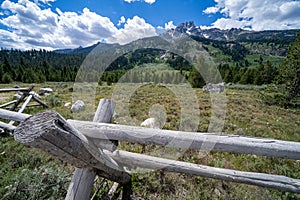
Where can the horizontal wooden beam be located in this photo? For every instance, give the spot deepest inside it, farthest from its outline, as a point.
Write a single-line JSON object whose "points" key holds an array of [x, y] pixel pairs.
{"points": [[135, 160], [11, 115], [7, 104], [194, 140], [14, 90], [7, 126]]}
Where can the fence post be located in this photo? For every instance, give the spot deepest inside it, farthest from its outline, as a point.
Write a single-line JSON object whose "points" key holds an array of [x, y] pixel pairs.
{"points": [[83, 179]]}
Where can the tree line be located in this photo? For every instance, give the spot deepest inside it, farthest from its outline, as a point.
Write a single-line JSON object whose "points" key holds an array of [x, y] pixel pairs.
{"points": [[39, 66]]}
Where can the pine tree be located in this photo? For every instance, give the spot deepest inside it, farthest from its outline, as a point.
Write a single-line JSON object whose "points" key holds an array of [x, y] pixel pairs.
{"points": [[195, 78], [287, 91], [290, 73]]}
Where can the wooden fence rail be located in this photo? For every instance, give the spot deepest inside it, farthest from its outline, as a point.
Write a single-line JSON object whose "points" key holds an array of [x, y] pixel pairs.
{"points": [[26, 95], [75, 142], [223, 142], [193, 140], [13, 90], [149, 162]]}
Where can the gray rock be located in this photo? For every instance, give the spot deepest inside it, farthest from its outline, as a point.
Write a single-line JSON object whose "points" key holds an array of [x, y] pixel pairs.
{"points": [[17, 96], [45, 90], [35, 94], [214, 88], [78, 106], [67, 104]]}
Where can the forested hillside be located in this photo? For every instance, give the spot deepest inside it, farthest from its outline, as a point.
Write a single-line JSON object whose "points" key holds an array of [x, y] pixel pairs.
{"points": [[38, 66], [253, 58]]}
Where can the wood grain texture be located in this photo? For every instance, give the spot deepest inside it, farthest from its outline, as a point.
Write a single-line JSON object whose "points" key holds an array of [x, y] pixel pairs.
{"points": [[49, 132], [11, 115], [135, 160], [193, 140]]}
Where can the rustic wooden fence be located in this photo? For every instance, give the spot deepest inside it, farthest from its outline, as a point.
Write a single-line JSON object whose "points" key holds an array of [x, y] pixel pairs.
{"points": [[26, 95], [91, 147]]}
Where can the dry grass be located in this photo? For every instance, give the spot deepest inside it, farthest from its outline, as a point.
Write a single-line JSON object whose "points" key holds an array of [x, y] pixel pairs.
{"points": [[246, 115]]}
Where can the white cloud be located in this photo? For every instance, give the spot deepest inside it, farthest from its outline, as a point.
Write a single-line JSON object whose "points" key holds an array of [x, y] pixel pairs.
{"points": [[147, 1], [259, 15], [134, 29], [121, 21], [30, 26], [150, 1], [169, 25], [211, 10], [44, 1]]}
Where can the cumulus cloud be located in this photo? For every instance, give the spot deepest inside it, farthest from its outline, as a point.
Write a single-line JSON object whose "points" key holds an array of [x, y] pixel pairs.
{"points": [[134, 29], [169, 25], [121, 21], [147, 1], [257, 15], [30, 26]]}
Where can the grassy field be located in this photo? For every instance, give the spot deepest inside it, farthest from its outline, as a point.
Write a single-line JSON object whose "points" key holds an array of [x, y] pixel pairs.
{"points": [[30, 174]]}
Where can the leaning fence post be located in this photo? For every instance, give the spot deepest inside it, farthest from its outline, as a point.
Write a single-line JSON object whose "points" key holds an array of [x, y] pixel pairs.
{"points": [[83, 179]]}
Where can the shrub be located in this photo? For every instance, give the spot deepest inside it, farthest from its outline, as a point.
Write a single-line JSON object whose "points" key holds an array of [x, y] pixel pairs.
{"points": [[43, 183], [54, 100]]}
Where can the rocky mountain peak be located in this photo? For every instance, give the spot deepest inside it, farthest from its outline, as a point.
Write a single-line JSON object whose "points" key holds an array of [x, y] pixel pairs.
{"points": [[184, 27]]}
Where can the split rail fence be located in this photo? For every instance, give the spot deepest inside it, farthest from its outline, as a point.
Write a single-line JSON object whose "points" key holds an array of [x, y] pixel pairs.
{"points": [[91, 147], [25, 96]]}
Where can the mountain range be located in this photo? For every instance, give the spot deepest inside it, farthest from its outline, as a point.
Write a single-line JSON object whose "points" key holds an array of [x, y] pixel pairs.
{"points": [[215, 35]]}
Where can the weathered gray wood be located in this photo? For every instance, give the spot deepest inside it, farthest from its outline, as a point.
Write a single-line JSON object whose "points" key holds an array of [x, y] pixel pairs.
{"points": [[22, 108], [7, 104], [135, 160], [11, 115], [23, 96], [194, 140], [7, 126], [82, 181], [104, 113], [48, 127], [112, 190], [81, 184], [30, 106], [40, 102], [25, 104], [13, 89]]}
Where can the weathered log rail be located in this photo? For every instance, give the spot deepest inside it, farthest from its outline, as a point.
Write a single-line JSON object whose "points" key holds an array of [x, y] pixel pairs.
{"points": [[75, 142], [26, 95], [194, 140]]}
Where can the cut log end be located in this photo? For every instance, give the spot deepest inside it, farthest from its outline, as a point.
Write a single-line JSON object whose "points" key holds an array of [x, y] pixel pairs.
{"points": [[34, 127], [49, 132]]}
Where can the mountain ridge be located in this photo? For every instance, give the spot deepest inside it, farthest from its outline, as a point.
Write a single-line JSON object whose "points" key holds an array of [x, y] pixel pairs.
{"points": [[233, 34], [281, 37]]}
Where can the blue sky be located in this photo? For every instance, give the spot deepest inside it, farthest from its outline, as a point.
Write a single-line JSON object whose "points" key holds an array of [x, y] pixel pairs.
{"points": [[157, 13], [53, 24]]}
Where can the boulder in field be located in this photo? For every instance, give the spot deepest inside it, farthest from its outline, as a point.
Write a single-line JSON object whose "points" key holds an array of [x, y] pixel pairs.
{"points": [[78, 106], [214, 88], [45, 90], [68, 104]]}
